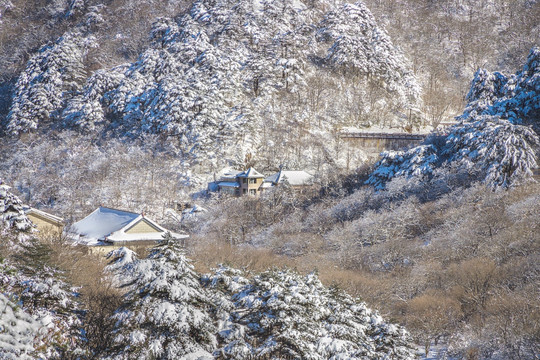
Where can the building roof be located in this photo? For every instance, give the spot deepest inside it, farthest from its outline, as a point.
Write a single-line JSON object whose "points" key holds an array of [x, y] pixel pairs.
{"points": [[228, 184], [45, 215], [106, 224], [231, 173], [228, 174], [250, 173], [294, 178]]}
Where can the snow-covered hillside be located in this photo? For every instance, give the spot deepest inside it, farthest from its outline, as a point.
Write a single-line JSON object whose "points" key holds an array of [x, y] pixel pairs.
{"points": [[227, 78], [496, 140]]}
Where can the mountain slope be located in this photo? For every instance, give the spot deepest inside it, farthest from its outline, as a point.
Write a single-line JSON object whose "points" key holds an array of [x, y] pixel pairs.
{"points": [[225, 70]]}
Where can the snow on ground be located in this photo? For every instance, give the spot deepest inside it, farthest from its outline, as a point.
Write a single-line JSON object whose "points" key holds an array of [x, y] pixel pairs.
{"points": [[18, 331]]}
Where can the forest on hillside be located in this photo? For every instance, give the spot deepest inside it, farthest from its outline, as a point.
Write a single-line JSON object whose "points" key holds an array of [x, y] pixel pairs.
{"points": [[429, 251], [89, 83]]}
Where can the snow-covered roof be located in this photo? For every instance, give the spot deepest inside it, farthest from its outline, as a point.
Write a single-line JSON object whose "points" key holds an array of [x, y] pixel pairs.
{"points": [[101, 223], [228, 173], [107, 224], [266, 185], [43, 214], [228, 184], [231, 173], [295, 178], [250, 173]]}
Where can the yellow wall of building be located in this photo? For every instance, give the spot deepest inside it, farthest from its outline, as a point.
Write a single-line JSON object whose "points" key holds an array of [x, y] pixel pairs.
{"points": [[142, 227], [246, 186], [45, 225], [103, 250]]}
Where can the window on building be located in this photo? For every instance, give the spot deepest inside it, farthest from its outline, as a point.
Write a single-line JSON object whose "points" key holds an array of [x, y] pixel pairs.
{"points": [[244, 180], [252, 192], [252, 181], [244, 191]]}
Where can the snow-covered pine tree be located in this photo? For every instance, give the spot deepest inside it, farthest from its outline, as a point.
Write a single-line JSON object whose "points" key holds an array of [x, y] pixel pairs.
{"points": [[87, 110], [503, 153], [288, 316], [51, 77], [515, 97], [120, 260], [495, 141], [418, 162], [12, 215], [485, 89], [166, 310], [43, 292], [223, 283], [360, 47]]}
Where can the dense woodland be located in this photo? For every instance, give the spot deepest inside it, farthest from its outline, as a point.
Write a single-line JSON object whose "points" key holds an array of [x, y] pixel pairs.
{"points": [[137, 105]]}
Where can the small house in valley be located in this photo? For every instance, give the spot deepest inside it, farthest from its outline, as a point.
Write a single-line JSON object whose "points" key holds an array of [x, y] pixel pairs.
{"points": [[239, 183], [45, 223], [108, 226], [253, 183]]}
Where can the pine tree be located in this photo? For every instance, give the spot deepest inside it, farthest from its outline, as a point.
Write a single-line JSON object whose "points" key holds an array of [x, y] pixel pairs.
{"points": [[12, 215], [283, 315], [165, 315], [121, 261], [43, 292], [515, 97], [51, 77], [419, 162], [87, 110], [495, 141], [504, 153], [223, 283], [360, 47], [485, 89]]}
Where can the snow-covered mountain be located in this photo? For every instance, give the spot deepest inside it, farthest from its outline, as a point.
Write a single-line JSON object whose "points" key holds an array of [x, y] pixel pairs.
{"points": [[225, 78]]}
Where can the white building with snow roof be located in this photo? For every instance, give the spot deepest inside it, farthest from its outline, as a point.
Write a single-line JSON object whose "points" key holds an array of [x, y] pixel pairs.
{"points": [[106, 226]]}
